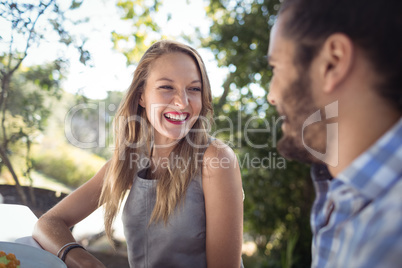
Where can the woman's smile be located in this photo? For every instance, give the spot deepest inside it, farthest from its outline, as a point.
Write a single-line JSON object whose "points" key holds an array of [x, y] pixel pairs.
{"points": [[176, 117]]}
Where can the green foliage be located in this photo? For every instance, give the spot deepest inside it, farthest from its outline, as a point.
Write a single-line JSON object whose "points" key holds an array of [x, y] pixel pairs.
{"points": [[32, 91], [23, 92], [278, 192], [144, 29], [28, 25], [239, 38], [278, 197], [66, 163], [95, 123], [76, 4], [287, 257], [55, 157]]}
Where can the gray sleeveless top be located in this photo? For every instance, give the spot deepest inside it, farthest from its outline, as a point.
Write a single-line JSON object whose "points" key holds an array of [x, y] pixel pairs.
{"points": [[180, 243]]}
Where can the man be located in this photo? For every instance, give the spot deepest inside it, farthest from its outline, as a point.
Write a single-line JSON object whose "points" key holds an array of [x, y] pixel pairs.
{"points": [[337, 77]]}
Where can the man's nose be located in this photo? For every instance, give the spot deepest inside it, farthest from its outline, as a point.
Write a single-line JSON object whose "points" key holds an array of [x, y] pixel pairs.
{"points": [[270, 98]]}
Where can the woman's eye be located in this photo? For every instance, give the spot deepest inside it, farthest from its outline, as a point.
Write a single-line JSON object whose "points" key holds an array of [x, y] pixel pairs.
{"points": [[166, 87], [195, 89]]}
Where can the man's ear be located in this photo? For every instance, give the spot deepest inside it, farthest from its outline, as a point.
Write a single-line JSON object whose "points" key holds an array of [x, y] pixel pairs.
{"points": [[337, 59]]}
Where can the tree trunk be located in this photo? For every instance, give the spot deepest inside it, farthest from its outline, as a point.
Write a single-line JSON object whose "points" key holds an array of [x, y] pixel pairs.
{"points": [[222, 101], [8, 164]]}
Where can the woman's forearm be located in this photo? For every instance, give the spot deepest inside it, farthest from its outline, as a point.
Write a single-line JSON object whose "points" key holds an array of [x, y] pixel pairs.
{"points": [[52, 234]]}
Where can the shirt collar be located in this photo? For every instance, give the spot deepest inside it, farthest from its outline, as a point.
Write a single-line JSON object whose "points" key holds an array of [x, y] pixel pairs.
{"points": [[320, 172], [377, 169]]}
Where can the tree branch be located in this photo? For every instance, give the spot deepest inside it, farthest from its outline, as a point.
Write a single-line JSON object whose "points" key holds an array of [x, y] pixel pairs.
{"points": [[31, 31], [226, 90]]}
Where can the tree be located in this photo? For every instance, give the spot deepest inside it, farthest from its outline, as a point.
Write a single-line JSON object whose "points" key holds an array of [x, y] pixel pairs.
{"points": [[278, 197], [144, 30], [30, 23], [32, 92]]}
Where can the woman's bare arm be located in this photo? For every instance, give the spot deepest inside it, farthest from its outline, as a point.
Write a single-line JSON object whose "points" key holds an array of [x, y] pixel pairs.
{"points": [[223, 206], [52, 230]]}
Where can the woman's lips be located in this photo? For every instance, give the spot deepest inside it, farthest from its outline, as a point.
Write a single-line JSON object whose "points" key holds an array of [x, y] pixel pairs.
{"points": [[176, 117]]}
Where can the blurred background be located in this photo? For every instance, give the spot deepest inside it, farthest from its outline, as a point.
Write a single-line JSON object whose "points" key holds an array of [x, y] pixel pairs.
{"points": [[64, 67]]}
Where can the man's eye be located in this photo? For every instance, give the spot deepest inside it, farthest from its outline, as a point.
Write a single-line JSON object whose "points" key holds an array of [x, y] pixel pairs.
{"points": [[271, 68]]}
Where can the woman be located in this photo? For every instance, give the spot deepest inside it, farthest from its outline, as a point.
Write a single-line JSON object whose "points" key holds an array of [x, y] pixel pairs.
{"points": [[185, 206]]}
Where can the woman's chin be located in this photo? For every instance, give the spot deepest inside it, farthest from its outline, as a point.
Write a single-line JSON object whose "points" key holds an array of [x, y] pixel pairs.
{"points": [[170, 139]]}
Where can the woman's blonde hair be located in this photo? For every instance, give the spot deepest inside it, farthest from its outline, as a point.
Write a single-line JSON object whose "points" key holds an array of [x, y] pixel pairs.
{"points": [[133, 139]]}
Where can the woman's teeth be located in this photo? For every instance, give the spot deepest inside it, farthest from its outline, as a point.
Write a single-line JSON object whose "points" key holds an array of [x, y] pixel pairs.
{"points": [[176, 117]]}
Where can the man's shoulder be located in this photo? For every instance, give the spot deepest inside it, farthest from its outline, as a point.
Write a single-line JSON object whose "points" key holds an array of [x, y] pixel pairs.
{"points": [[392, 199], [386, 209], [375, 233]]}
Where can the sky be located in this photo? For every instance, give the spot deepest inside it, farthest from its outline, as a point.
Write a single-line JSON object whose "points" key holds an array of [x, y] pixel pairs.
{"points": [[109, 71]]}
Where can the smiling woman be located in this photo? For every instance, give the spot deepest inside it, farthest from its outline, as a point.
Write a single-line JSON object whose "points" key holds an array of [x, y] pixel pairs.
{"points": [[172, 97], [182, 210]]}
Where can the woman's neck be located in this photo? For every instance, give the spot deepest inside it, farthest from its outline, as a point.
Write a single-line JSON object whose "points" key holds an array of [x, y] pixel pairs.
{"points": [[161, 152], [159, 160]]}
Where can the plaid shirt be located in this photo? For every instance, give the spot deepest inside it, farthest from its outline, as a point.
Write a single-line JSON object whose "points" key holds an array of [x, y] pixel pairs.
{"points": [[357, 218]]}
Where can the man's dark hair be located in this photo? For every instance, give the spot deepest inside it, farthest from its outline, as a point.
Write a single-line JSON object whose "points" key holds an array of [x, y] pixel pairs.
{"points": [[372, 25]]}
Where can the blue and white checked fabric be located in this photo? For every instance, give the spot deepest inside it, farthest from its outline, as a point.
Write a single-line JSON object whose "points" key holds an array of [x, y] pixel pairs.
{"points": [[357, 217]]}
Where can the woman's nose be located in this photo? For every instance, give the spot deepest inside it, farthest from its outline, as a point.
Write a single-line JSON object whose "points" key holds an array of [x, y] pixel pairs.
{"points": [[181, 99]]}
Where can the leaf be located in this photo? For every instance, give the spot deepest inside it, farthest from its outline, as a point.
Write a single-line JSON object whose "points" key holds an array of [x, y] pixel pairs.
{"points": [[76, 4]]}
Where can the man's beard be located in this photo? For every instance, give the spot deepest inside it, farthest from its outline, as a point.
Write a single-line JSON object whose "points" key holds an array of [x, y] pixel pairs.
{"points": [[299, 103]]}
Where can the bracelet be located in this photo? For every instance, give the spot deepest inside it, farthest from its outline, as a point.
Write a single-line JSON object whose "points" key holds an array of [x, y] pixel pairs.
{"points": [[63, 247], [63, 257]]}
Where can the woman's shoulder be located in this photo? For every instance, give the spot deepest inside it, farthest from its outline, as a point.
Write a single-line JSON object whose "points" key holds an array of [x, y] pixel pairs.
{"points": [[220, 170], [219, 154]]}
